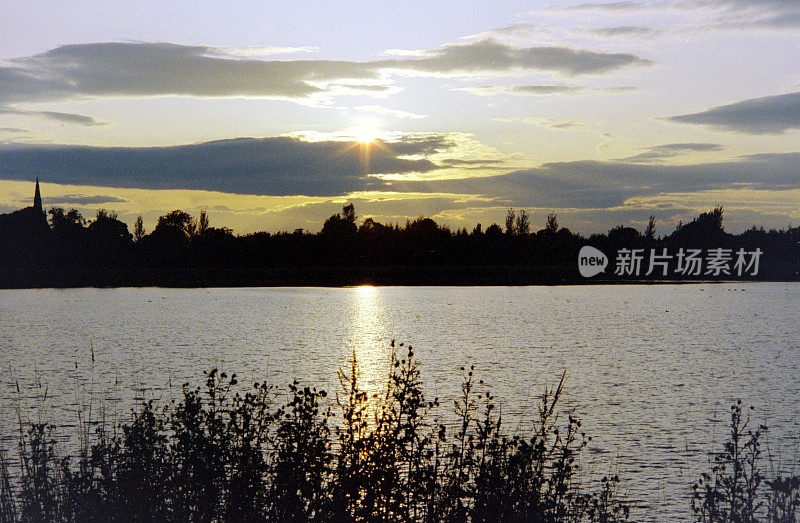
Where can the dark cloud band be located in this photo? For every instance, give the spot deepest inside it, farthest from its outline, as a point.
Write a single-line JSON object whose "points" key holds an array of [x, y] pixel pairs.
{"points": [[270, 166], [594, 184], [765, 115]]}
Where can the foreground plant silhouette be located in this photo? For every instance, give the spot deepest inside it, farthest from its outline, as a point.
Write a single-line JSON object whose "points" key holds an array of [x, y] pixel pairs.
{"points": [[736, 490], [220, 455]]}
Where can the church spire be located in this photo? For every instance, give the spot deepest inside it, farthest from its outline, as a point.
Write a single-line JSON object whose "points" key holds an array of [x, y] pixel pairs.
{"points": [[37, 198]]}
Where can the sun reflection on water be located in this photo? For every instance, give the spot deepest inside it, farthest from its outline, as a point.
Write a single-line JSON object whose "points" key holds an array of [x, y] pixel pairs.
{"points": [[369, 337]]}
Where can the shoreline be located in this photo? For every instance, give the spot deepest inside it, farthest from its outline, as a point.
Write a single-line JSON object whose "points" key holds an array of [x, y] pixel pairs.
{"points": [[343, 277]]}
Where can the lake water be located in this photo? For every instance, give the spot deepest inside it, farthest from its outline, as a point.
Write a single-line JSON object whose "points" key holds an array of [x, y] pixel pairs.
{"points": [[651, 369]]}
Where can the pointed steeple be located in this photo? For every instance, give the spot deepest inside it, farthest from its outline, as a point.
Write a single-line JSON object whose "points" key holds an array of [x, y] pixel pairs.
{"points": [[37, 198]]}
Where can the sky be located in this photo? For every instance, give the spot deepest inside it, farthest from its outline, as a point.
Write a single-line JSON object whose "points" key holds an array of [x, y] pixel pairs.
{"points": [[273, 115]]}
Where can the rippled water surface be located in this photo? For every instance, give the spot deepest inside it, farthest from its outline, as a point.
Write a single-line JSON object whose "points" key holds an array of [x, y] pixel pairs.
{"points": [[651, 370]]}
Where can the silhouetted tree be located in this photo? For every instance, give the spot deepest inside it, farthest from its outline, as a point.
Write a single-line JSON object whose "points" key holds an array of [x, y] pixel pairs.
{"points": [[349, 213], [138, 229], [202, 224], [522, 225], [704, 231], [108, 229], [622, 235], [181, 250], [551, 225], [339, 235], [63, 221], [650, 231], [377, 243], [494, 230], [510, 219], [178, 221], [168, 244], [109, 242], [341, 226], [714, 218]]}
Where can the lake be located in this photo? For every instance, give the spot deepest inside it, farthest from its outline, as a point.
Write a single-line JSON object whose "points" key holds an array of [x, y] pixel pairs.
{"points": [[651, 369]]}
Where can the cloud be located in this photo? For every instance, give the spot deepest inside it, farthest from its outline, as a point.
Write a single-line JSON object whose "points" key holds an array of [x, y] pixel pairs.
{"points": [[740, 15], [540, 90], [424, 144], [765, 115], [458, 161], [623, 6], [385, 111], [158, 69], [83, 199], [489, 55], [78, 119], [14, 130], [659, 153], [267, 166], [72, 118], [485, 165], [263, 50], [750, 14], [284, 166], [528, 90], [152, 69], [594, 184], [520, 31], [627, 31], [550, 123]]}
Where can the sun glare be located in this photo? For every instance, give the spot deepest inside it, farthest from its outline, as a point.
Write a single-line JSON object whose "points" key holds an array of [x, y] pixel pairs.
{"points": [[365, 130], [365, 290]]}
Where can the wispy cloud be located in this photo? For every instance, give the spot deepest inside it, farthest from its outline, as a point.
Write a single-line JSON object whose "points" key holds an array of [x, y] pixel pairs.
{"points": [[71, 118], [550, 123], [524, 90], [663, 152], [83, 199], [626, 31], [765, 115], [385, 111], [541, 90], [755, 14], [623, 6], [78, 119], [740, 15], [471, 164], [514, 31], [257, 51]]}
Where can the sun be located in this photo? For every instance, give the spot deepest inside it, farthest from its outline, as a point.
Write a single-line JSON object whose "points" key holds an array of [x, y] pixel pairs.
{"points": [[365, 130]]}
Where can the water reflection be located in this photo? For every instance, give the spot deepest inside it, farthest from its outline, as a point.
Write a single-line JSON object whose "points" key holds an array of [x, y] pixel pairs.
{"points": [[647, 384], [368, 337]]}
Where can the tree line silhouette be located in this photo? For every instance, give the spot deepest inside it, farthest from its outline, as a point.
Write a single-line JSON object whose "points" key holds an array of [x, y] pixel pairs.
{"points": [[63, 248]]}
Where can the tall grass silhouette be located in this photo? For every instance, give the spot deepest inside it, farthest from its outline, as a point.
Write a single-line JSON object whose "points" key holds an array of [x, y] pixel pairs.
{"points": [[225, 452]]}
